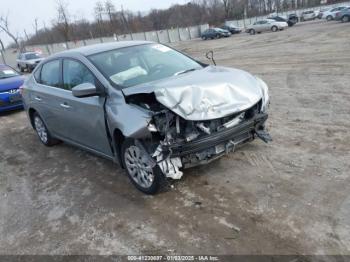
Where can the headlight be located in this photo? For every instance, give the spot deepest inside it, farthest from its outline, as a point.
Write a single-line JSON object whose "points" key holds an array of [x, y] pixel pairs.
{"points": [[265, 92]]}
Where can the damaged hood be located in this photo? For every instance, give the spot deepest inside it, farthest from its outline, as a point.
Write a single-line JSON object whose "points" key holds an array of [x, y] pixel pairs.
{"points": [[204, 94]]}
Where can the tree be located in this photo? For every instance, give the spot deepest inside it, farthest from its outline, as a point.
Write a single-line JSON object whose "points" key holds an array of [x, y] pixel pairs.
{"points": [[4, 26], [63, 19]]}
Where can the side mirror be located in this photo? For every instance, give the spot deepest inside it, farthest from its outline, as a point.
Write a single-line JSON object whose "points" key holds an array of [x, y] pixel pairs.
{"points": [[84, 90]]}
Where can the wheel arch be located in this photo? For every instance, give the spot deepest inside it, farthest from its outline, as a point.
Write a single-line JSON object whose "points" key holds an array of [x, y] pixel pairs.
{"points": [[118, 140], [31, 112]]}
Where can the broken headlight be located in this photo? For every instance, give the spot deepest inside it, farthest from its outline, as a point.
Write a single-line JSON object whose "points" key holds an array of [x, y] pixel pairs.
{"points": [[265, 94]]}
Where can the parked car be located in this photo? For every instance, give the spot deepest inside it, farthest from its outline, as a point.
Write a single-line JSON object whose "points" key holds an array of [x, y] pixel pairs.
{"points": [[290, 22], [293, 18], [266, 25], [320, 13], [343, 15], [232, 29], [212, 33], [10, 83], [330, 14], [28, 61], [146, 106], [308, 15]]}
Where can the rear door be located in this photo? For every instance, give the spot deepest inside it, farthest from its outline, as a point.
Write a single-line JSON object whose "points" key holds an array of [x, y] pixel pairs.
{"points": [[45, 92]]}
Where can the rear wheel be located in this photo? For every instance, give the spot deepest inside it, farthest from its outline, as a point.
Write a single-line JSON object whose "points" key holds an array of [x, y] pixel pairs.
{"points": [[274, 28], [345, 18], [252, 31], [29, 70], [145, 178], [329, 18], [42, 132], [204, 37]]}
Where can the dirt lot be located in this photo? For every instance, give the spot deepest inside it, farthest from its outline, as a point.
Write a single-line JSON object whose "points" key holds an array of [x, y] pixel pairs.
{"points": [[288, 197]]}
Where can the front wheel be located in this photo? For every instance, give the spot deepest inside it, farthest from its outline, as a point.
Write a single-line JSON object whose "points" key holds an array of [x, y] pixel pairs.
{"points": [[29, 70], [252, 31], [329, 18], [274, 29], [145, 178]]}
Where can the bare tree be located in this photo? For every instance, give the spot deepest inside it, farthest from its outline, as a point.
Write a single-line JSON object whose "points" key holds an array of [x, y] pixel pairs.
{"points": [[36, 26], [4, 26], [63, 19]]}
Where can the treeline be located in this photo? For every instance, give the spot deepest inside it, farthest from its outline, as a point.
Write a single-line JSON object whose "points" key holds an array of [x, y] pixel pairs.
{"points": [[111, 20]]}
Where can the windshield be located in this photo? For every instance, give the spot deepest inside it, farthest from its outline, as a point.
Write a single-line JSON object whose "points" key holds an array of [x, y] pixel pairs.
{"points": [[32, 56], [7, 72], [140, 64]]}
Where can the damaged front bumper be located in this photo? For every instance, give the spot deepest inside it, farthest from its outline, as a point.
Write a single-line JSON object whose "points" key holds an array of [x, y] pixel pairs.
{"points": [[210, 147]]}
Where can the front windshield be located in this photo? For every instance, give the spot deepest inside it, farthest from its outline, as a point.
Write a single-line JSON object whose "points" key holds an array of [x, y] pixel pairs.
{"points": [[140, 64], [7, 72], [32, 56]]}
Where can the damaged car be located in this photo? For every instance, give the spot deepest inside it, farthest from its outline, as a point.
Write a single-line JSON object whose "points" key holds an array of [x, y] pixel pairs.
{"points": [[146, 106]]}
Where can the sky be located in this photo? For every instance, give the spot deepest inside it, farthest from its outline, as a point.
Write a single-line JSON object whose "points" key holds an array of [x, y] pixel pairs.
{"points": [[22, 13]]}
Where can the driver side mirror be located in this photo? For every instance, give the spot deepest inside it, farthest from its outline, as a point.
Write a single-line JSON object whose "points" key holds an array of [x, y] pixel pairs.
{"points": [[85, 90]]}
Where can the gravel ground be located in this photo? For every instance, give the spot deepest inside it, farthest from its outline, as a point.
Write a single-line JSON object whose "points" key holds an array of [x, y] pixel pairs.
{"points": [[287, 197]]}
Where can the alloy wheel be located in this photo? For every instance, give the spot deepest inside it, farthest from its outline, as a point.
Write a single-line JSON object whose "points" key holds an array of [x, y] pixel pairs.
{"points": [[138, 167], [41, 129]]}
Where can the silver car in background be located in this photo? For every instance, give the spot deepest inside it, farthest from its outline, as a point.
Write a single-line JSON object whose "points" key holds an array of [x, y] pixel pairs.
{"points": [[266, 25], [28, 61], [145, 106]]}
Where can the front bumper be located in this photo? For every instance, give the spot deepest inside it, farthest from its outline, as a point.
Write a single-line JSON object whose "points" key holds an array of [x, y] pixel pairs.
{"points": [[212, 146]]}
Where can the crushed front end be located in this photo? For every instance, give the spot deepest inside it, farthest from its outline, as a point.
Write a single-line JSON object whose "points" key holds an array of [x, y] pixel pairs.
{"points": [[178, 143]]}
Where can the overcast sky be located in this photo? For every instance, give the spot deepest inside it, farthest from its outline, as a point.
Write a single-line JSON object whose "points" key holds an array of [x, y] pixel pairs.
{"points": [[23, 12]]}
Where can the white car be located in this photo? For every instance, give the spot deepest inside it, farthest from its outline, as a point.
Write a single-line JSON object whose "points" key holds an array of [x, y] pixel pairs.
{"points": [[330, 14], [308, 15], [266, 25], [28, 61]]}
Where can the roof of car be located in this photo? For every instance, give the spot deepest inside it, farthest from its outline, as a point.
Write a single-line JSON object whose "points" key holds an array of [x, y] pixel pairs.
{"points": [[99, 48]]}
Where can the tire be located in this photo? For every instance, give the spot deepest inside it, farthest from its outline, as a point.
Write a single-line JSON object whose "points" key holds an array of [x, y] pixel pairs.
{"points": [[345, 19], [21, 69], [29, 70], [252, 31], [329, 18], [132, 156], [274, 28], [42, 131], [204, 38], [217, 36]]}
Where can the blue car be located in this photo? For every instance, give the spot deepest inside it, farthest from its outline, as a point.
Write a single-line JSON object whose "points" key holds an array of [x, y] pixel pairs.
{"points": [[10, 83]]}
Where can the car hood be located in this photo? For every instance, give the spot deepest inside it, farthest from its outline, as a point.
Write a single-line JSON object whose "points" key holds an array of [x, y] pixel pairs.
{"points": [[35, 60], [11, 83], [209, 93]]}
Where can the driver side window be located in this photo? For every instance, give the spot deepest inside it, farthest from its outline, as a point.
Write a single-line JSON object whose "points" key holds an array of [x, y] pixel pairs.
{"points": [[75, 73]]}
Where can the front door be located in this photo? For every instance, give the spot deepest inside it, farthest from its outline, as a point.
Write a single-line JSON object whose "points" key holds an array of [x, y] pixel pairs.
{"points": [[82, 119]]}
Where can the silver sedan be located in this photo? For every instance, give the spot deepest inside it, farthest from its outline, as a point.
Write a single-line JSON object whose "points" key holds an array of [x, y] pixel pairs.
{"points": [[266, 25]]}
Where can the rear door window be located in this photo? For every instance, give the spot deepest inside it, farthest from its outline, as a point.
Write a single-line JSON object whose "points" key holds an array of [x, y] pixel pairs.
{"points": [[50, 74]]}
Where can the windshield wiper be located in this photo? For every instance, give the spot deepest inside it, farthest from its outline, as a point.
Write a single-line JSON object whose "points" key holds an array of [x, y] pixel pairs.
{"points": [[185, 71]]}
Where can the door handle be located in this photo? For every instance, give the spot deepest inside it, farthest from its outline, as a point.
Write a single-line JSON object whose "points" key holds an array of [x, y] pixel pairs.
{"points": [[64, 105], [37, 98]]}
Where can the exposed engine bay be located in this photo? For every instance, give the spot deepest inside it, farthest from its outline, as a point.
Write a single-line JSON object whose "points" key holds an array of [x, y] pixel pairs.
{"points": [[178, 143]]}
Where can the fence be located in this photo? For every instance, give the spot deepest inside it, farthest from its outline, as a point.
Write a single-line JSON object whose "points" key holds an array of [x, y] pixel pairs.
{"points": [[163, 36]]}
